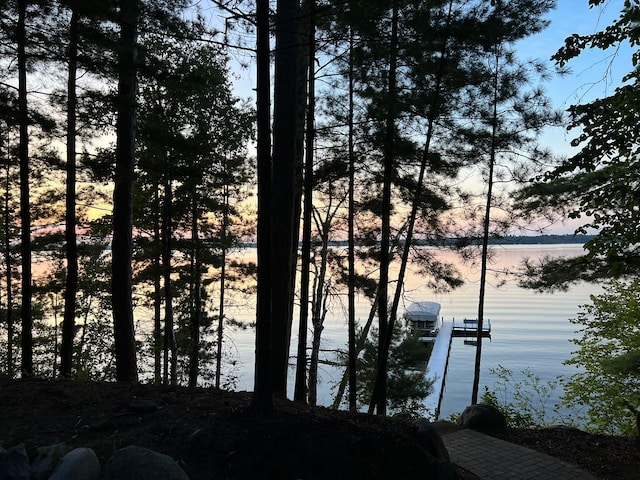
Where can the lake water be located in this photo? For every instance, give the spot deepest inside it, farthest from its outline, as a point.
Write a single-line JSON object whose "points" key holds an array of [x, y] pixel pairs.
{"points": [[529, 329]]}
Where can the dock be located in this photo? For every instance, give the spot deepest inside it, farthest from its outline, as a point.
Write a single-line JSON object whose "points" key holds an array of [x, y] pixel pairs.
{"points": [[437, 366], [469, 328], [439, 359]]}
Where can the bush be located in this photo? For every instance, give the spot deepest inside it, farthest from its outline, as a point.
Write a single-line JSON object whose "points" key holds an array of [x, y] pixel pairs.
{"points": [[525, 403]]}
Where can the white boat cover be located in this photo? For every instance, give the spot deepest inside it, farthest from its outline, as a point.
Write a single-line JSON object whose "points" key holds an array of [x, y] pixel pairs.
{"points": [[423, 311]]}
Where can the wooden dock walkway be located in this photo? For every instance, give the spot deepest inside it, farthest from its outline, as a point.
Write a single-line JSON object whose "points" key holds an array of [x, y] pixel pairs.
{"points": [[439, 359], [437, 367]]}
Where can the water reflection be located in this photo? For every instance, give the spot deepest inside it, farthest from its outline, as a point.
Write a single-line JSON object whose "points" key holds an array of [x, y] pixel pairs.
{"points": [[529, 329]]}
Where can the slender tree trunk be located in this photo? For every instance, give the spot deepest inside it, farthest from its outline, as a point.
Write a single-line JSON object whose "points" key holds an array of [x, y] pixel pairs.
{"points": [[283, 191], [321, 290], [122, 244], [170, 354], [223, 279], [54, 353], [359, 346], [196, 319], [485, 233], [379, 397], [317, 318], [25, 213], [318, 327], [71, 287], [417, 201], [263, 394], [157, 293], [353, 355], [82, 339], [8, 265], [300, 393]]}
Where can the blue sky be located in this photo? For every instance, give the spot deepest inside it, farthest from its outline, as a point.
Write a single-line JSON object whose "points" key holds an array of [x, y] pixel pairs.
{"points": [[590, 75], [588, 79], [593, 74]]}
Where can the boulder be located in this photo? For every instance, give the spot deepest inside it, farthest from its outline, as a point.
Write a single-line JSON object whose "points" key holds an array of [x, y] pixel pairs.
{"points": [[78, 464], [14, 463], [142, 464], [430, 440], [46, 460], [482, 417]]}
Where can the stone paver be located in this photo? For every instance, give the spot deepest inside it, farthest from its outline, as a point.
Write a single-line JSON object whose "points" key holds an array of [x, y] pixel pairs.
{"points": [[494, 459]]}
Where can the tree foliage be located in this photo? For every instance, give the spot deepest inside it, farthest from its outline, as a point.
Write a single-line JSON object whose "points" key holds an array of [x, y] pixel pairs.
{"points": [[193, 172], [600, 185], [408, 384], [608, 383], [525, 402]]}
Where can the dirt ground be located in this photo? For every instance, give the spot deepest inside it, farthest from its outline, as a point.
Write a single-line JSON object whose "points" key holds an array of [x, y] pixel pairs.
{"points": [[234, 443], [606, 457]]}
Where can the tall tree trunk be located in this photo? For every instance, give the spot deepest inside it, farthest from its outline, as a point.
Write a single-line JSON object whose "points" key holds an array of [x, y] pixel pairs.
{"points": [[157, 292], [300, 393], [263, 394], [379, 397], [282, 191], [351, 282], [122, 244], [196, 318], [54, 354], [8, 264], [303, 66], [223, 279], [485, 231], [170, 353], [71, 286], [317, 319], [25, 214], [417, 201]]}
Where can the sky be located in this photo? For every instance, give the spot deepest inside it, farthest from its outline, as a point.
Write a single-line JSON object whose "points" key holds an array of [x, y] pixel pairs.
{"points": [[593, 74], [590, 76]]}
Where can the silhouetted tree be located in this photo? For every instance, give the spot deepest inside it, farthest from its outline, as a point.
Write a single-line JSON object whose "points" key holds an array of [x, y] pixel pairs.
{"points": [[122, 248], [262, 392]]}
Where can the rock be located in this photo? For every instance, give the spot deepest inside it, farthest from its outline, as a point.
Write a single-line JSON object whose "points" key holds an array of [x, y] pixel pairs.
{"points": [[482, 417], [430, 440], [14, 463], [142, 464], [46, 459], [78, 464]]}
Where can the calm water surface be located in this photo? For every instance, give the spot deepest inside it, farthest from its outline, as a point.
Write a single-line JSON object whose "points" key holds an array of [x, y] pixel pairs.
{"points": [[529, 329]]}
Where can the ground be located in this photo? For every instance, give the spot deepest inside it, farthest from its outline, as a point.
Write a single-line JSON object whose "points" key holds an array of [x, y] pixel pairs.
{"points": [[606, 457], [234, 443]]}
